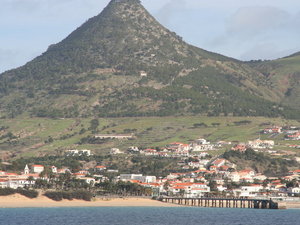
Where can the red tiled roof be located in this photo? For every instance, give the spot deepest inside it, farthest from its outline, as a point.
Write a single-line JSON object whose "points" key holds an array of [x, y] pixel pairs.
{"points": [[100, 167], [11, 174], [178, 187]]}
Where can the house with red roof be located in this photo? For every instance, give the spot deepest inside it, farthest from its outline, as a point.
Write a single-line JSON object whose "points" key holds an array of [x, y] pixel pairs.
{"points": [[189, 189], [273, 130], [179, 148], [218, 162], [149, 152], [100, 168], [294, 136], [239, 147]]}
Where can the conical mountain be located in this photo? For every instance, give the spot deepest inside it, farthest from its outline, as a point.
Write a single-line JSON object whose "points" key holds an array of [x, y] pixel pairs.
{"points": [[124, 63]]}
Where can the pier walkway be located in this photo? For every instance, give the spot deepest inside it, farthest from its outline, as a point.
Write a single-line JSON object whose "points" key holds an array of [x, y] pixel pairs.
{"points": [[222, 202]]}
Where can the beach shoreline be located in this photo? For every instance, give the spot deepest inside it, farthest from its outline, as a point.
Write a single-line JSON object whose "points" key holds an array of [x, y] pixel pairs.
{"points": [[19, 201]]}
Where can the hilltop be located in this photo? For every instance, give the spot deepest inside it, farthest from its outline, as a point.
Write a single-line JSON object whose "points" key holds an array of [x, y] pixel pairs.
{"points": [[122, 62]]}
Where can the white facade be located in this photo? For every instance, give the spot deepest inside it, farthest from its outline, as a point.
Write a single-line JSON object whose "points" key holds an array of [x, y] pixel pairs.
{"points": [[26, 169], [114, 136], [75, 152], [88, 180], [16, 183], [54, 169], [115, 151], [37, 168], [235, 177], [128, 177], [202, 148], [261, 144], [139, 177], [250, 191], [293, 190]]}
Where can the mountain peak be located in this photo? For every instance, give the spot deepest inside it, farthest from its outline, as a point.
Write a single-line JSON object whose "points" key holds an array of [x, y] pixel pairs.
{"points": [[123, 62], [125, 1]]}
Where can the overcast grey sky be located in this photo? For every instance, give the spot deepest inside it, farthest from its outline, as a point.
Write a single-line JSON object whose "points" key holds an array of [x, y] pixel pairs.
{"points": [[256, 29]]}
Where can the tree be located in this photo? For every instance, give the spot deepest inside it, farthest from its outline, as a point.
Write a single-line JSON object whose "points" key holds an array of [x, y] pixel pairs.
{"points": [[94, 123], [213, 186]]}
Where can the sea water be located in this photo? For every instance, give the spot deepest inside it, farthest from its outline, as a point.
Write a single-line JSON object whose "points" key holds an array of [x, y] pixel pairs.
{"points": [[147, 215]]}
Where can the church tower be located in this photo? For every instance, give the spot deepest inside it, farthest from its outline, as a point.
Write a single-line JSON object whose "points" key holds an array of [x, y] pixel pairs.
{"points": [[26, 169]]}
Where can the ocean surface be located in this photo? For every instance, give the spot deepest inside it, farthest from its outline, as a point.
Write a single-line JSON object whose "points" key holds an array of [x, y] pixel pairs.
{"points": [[147, 215]]}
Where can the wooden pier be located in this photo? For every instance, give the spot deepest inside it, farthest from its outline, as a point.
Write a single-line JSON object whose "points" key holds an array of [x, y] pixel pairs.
{"points": [[222, 202]]}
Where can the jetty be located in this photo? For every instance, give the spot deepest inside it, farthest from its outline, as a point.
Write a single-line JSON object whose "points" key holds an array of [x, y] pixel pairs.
{"points": [[222, 202]]}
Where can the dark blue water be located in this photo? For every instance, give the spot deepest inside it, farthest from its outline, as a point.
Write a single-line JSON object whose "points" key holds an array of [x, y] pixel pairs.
{"points": [[147, 215]]}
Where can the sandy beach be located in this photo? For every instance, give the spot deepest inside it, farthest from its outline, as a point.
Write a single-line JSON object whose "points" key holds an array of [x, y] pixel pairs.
{"points": [[19, 201], [291, 205]]}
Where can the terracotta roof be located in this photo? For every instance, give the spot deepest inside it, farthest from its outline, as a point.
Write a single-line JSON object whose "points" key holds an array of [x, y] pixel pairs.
{"points": [[178, 187], [176, 143], [135, 181], [184, 184], [100, 167], [11, 174]]}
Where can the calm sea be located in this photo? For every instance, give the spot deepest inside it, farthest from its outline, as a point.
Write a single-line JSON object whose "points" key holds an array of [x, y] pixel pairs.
{"points": [[147, 215]]}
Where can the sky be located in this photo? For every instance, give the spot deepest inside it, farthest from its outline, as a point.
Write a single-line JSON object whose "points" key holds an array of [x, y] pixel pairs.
{"points": [[246, 30]]}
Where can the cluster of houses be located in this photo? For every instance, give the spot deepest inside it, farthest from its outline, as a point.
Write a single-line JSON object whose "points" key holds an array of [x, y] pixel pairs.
{"points": [[204, 174], [28, 177], [215, 175], [256, 145], [178, 149], [219, 176], [290, 132]]}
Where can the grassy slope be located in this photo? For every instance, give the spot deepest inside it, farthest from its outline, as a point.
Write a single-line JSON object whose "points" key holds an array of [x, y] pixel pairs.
{"points": [[284, 75], [151, 132]]}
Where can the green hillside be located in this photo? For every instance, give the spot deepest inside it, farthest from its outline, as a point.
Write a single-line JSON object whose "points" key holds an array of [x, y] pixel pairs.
{"points": [[39, 136], [124, 63], [284, 75]]}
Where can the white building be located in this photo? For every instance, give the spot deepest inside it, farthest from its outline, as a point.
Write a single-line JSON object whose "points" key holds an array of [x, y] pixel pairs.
{"points": [[16, 183], [139, 177], [251, 191], [143, 74], [37, 168], [133, 149], [234, 177], [190, 190], [26, 169], [201, 145], [293, 190], [114, 136], [261, 144], [89, 180], [54, 169], [100, 168], [115, 151], [76, 152]]}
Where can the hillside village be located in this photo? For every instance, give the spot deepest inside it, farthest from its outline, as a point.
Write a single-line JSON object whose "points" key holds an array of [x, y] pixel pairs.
{"points": [[201, 172]]}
